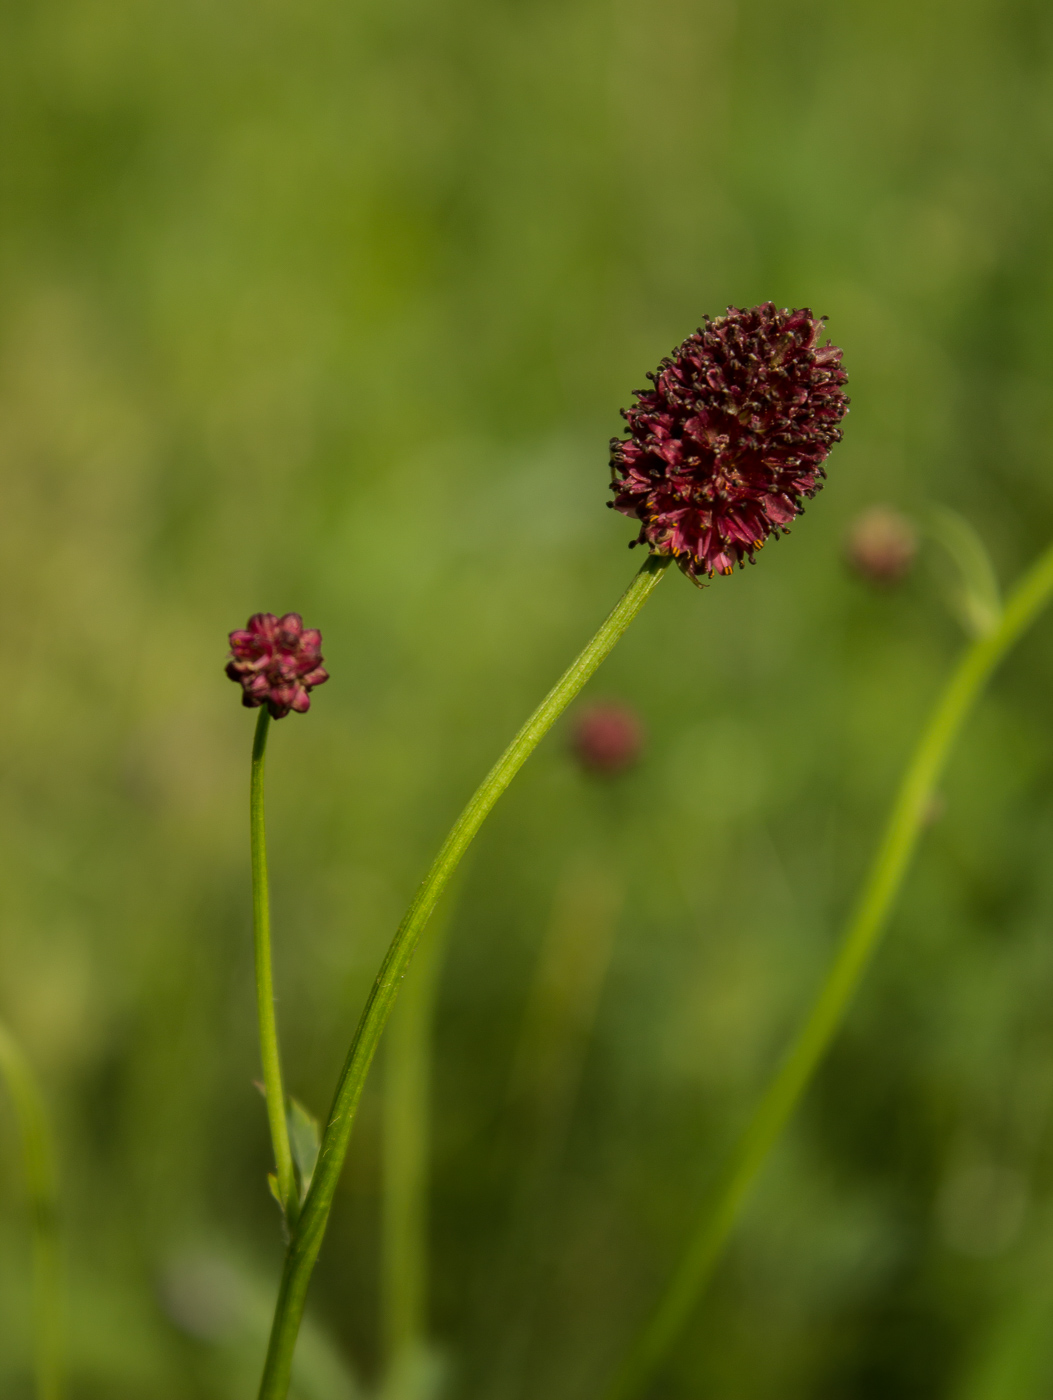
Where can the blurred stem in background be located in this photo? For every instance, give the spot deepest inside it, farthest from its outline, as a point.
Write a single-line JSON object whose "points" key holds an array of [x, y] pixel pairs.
{"points": [[1010, 1355], [41, 1185], [284, 1185], [411, 1365], [307, 1236], [558, 1022], [857, 945]]}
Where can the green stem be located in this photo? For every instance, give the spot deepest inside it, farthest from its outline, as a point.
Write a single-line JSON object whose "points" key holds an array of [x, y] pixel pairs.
{"points": [[41, 1177], [858, 943], [261, 928], [307, 1237]]}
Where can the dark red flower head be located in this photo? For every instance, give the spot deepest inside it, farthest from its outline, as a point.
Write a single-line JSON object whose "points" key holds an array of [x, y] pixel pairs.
{"points": [[277, 661], [608, 738], [733, 434]]}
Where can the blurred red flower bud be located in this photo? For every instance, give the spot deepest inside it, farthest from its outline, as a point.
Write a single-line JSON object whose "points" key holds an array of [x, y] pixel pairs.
{"points": [[881, 545], [277, 662], [731, 437], [608, 738]]}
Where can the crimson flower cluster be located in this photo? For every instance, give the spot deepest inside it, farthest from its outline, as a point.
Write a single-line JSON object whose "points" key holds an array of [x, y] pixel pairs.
{"points": [[731, 438], [277, 662]]}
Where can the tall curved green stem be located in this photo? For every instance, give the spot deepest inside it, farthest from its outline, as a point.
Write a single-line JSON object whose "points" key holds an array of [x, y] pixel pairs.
{"points": [[41, 1183], [261, 929], [861, 935], [307, 1236]]}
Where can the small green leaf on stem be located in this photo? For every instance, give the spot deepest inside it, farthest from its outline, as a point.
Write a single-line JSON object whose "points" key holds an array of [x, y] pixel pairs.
{"points": [[971, 589], [305, 1139]]}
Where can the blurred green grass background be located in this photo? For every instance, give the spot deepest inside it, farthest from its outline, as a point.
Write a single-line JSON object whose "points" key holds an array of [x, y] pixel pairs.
{"points": [[331, 307]]}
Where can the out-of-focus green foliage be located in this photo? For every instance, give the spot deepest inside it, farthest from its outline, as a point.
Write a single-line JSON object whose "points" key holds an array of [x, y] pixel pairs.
{"points": [[331, 307]]}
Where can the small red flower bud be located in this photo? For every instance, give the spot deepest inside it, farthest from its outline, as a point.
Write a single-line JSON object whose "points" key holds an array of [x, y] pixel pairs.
{"points": [[881, 545], [608, 738], [277, 662], [733, 434]]}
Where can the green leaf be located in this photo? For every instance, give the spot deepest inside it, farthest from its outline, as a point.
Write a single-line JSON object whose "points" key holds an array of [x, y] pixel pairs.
{"points": [[272, 1182], [971, 590], [305, 1139]]}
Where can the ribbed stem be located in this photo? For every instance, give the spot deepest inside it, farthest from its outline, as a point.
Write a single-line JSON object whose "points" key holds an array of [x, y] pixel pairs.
{"points": [[38, 1157], [307, 1237], [860, 938], [261, 928]]}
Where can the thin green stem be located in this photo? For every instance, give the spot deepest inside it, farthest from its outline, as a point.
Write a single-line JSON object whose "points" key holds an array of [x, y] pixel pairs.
{"points": [[41, 1184], [307, 1237], [860, 938], [261, 928]]}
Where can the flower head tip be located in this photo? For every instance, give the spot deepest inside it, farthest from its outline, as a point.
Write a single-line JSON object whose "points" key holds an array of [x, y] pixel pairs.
{"points": [[731, 437], [277, 661]]}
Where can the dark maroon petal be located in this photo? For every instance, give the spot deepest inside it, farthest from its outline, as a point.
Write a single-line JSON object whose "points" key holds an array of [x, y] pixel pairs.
{"points": [[279, 701], [283, 668], [316, 677], [305, 663], [263, 626]]}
